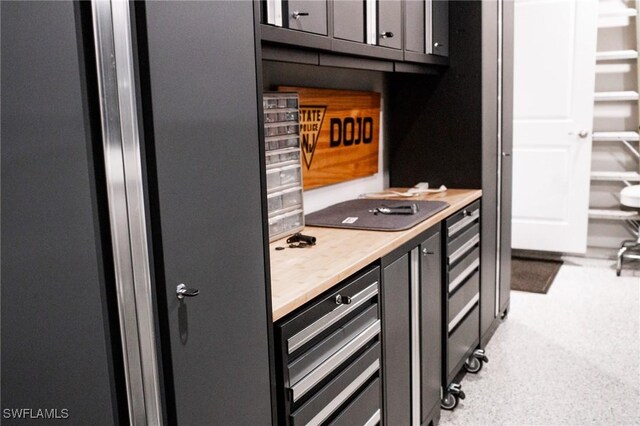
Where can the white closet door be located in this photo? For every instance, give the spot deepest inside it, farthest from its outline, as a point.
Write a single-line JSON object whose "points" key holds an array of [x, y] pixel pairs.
{"points": [[555, 48]]}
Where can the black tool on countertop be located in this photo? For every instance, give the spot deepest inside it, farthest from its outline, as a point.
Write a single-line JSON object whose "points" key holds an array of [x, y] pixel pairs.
{"points": [[404, 210], [299, 240]]}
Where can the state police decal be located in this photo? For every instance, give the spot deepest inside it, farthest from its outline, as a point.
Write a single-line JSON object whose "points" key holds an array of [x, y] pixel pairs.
{"points": [[311, 119]]}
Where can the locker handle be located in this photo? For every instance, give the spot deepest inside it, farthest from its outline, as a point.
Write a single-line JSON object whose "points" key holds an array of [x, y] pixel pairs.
{"points": [[183, 291]]}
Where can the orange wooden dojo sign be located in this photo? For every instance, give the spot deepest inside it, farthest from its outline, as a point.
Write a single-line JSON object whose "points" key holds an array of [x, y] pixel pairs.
{"points": [[339, 134]]}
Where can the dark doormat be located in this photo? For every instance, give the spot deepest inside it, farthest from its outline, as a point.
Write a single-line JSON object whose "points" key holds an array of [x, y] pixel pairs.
{"points": [[533, 275]]}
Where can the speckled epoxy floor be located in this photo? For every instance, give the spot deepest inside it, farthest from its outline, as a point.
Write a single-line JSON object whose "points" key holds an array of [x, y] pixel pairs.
{"points": [[570, 357]]}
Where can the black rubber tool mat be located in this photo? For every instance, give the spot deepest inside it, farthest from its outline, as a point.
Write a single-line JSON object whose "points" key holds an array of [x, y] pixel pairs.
{"points": [[354, 214], [533, 275]]}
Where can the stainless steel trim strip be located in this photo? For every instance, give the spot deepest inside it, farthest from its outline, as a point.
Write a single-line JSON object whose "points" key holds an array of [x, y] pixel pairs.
{"points": [[321, 371], [428, 25], [415, 336], [136, 207], [374, 420], [467, 308], [458, 226], [372, 21], [499, 166], [463, 275], [308, 333], [123, 168], [345, 394], [464, 248]]}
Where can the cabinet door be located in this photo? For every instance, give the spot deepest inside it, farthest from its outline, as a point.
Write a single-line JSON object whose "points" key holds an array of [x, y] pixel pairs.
{"points": [[390, 23], [58, 290], [308, 15], [440, 27], [348, 20], [430, 323], [414, 26], [212, 104], [396, 342]]}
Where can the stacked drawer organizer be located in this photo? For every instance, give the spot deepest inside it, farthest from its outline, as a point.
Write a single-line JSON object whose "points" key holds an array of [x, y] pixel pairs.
{"points": [[329, 358], [284, 175], [461, 313]]}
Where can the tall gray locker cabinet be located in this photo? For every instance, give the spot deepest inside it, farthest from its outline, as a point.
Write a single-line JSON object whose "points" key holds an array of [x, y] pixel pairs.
{"points": [[189, 75], [60, 345], [198, 83]]}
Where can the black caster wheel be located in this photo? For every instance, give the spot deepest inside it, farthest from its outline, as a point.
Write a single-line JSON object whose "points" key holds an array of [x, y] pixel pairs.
{"points": [[480, 355], [473, 365], [505, 314], [449, 402]]}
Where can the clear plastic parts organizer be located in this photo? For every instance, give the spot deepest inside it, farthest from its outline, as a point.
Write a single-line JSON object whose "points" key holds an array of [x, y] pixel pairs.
{"points": [[284, 172]]}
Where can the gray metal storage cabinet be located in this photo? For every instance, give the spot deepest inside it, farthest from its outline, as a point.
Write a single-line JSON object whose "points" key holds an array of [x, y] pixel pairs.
{"points": [[202, 167]]}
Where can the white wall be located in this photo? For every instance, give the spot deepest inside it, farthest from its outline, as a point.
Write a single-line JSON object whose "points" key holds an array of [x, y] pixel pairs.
{"points": [[276, 73]]}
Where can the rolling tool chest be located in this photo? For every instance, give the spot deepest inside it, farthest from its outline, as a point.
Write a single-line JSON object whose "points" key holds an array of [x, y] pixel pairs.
{"points": [[461, 300], [284, 173], [329, 362]]}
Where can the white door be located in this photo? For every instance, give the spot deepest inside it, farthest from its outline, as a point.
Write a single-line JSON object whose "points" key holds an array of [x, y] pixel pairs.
{"points": [[554, 75]]}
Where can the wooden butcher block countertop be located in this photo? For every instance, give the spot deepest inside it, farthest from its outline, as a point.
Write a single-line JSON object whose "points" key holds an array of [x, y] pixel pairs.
{"points": [[299, 275]]}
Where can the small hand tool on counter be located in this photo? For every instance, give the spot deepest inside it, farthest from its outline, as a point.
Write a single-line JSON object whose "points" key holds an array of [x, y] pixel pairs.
{"points": [[401, 210], [299, 240]]}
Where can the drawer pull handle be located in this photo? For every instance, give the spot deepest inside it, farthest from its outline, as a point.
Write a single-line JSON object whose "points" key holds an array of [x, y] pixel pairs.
{"points": [[297, 15], [463, 312], [342, 310], [464, 249], [458, 226], [320, 372], [343, 300], [374, 420], [345, 394], [386, 34], [463, 275]]}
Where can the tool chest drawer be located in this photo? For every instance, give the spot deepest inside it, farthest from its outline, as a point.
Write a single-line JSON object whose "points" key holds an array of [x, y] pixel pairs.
{"points": [[459, 273], [463, 243], [462, 219], [364, 410], [463, 338], [341, 389], [329, 352], [462, 296], [300, 370]]}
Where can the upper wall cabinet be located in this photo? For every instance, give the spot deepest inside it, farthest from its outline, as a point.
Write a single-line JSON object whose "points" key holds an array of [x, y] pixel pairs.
{"points": [[389, 23], [349, 20], [368, 28], [395, 30], [426, 24], [307, 15], [440, 27], [415, 26]]}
